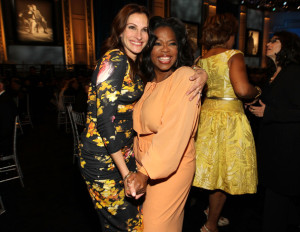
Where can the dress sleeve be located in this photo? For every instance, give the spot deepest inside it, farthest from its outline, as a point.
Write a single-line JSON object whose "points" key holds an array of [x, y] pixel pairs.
{"points": [[177, 125], [109, 80], [292, 96]]}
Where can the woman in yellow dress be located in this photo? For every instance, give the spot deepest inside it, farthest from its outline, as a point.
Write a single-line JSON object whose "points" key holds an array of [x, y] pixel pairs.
{"points": [[225, 150]]}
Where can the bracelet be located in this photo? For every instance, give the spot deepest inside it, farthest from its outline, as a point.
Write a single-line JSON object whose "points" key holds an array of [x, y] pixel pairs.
{"points": [[259, 92], [195, 67], [128, 175]]}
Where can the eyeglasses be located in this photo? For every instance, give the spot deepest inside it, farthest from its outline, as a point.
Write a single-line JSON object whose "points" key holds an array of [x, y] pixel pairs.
{"points": [[274, 40]]}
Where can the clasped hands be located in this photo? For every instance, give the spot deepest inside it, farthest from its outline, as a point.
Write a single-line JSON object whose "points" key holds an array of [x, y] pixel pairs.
{"points": [[135, 185]]}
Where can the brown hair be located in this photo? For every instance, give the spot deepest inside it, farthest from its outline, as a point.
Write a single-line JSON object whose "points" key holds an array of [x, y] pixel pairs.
{"points": [[118, 26], [218, 29]]}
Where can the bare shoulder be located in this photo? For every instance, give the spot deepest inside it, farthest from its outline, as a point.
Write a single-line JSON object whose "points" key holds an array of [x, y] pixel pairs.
{"points": [[236, 58]]}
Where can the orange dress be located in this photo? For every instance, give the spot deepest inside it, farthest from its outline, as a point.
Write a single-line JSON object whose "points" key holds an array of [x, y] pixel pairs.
{"points": [[165, 121]]}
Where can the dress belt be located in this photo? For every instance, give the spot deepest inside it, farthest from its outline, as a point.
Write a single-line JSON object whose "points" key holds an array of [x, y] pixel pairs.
{"points": [[223, 98]]}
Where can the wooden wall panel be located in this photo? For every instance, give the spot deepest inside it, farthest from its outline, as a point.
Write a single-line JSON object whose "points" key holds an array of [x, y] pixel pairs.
{"points": [[158, 8], [242, 31], [79, 32], [3, 52]]}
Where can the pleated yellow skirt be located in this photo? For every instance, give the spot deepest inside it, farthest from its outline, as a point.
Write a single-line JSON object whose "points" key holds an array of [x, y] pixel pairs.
{"points": [[225, 149]]}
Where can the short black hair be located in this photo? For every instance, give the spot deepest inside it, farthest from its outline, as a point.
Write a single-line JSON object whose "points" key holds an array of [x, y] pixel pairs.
{"points": [[185, 55]]}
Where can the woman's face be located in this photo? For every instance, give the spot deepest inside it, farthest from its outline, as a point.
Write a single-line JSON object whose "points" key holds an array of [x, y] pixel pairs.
{"points": [[273, 47], [135, 36], [164, 52]]}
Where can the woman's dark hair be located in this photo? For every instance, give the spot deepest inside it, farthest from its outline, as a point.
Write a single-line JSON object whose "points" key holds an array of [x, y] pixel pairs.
{"points": [[185, 55], [290, 48], [118, 26], [217, 29]]}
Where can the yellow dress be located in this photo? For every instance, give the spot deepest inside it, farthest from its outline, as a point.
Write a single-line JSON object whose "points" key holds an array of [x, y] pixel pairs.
{"points": [[225, 149]]}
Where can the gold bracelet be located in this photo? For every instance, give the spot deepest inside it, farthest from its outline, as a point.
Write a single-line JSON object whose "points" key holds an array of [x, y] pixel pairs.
{"points": [[259, 92], [196, 67], [128, 175]]}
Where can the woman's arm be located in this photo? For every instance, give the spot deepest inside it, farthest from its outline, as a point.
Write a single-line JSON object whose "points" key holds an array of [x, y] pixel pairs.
{"points": [[199, 78], [109, 80], [239, 79]]}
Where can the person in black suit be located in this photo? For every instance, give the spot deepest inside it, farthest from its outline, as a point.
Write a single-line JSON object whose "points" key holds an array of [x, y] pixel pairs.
{"points": [[8, 112], [279, 134]]}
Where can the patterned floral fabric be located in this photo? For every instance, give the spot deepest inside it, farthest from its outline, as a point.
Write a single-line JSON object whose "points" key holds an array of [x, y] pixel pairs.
{"points": [[225, 150], [111, 98]]}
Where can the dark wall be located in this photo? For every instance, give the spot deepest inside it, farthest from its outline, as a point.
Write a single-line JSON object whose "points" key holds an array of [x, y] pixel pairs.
{"points": [[229, 6], [104, 13]]}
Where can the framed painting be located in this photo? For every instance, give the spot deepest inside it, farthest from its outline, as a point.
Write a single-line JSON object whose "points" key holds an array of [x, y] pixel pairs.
{"points": [[252, 47], [34, 21]]}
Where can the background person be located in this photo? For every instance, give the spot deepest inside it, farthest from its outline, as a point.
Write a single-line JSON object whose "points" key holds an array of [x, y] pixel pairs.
{"points": [[279, 137], [225, 150], [8, 112]]}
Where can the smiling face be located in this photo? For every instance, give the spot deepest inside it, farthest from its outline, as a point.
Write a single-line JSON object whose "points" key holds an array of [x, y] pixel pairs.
{"points": [[164, 52], [273, 47], [135, 35]]}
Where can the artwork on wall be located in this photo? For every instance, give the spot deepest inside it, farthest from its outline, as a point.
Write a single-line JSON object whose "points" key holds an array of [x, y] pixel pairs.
{"points": [[193, 33], [252, 47], [34, 21]]}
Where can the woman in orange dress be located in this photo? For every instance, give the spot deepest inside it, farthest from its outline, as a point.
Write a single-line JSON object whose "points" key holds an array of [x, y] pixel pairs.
{"points": [[165, 121]]}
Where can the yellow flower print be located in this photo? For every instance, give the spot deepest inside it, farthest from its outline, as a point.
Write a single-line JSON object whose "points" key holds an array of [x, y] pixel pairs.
{"points": [[82, 163], [99, 111], [129, 88], [112, 97], [109, 184], [99, 142], [99, 206], [124, 108], [111, 167], [92, 98], [91, 130], [127, 134], [119, 128], [104, 85]]}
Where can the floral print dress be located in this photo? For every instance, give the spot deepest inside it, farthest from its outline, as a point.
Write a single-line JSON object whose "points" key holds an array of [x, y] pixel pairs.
{"points": [[109, 128]]}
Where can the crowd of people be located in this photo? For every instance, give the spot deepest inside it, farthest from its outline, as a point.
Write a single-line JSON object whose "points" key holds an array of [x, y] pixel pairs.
{"points": [[38, 93], [150, 136]]}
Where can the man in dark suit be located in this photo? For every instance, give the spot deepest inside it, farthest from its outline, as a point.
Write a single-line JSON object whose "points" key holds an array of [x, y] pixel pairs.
{"points": [[8, 112]]}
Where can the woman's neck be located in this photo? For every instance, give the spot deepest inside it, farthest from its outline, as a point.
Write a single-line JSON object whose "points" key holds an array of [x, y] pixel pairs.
{"points": [[219, 46], [278, 69], [160, 76]]}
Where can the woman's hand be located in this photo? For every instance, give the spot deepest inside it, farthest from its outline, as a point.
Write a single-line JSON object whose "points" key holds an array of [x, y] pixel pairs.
{"points": [[200, 78], [258, 111], [136, 184], [248, 104]]}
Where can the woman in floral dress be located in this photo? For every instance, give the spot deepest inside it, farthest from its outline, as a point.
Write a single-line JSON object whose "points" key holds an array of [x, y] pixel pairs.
{"points": [[106, 150]]}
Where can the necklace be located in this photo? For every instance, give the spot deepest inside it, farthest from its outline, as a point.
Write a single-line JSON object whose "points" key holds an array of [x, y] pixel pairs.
{"points": [[275, 75]]}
